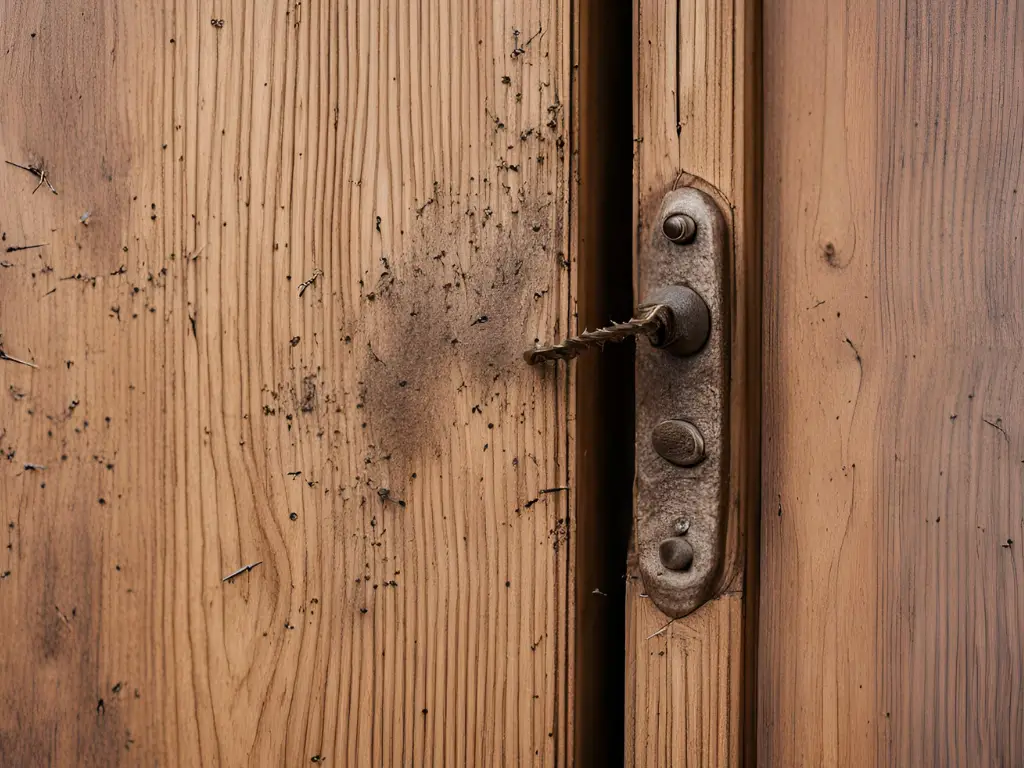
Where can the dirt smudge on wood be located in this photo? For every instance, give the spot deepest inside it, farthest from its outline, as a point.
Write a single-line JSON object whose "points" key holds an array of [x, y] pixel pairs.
{"points": [[448, 319]]}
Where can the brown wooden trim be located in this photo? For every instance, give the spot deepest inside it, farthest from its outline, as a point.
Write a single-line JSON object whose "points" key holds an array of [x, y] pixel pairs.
{"points": [[697, 90]]}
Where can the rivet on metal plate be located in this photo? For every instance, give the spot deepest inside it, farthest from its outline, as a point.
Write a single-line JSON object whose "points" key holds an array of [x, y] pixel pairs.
{"points": [[676, 553], [679, 442]]}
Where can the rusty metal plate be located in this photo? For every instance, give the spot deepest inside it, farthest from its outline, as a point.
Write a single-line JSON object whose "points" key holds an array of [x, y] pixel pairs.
{"points": [[680, 503]]}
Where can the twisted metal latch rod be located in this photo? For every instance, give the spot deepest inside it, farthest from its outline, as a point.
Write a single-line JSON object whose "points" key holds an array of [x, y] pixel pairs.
{"points": [[651, 322]]}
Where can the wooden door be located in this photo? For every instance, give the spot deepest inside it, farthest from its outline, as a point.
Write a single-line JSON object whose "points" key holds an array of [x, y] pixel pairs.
{"points": [[277, 486], [891, 611]]}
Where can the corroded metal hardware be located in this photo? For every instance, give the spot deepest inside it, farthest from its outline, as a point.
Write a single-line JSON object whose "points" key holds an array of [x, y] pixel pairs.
{"points": [[679, 228], [682, 400], [674, 318], [679, 442], [676, 553]]}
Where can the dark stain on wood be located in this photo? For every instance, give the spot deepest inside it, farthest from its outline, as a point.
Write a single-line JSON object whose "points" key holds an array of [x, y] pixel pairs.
{"points": [[425, 339]]}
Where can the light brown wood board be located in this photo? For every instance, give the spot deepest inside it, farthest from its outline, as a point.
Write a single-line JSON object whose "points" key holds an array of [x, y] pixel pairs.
{"points": [[891, 613], [277, 314]]}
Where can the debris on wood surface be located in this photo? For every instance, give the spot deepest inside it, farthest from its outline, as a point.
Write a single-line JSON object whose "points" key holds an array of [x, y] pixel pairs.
{"points": [[8, 358], [38, 171], [303, 286], [240, 571]]}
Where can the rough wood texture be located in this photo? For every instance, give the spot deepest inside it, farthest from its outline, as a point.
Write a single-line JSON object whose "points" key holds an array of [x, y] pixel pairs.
{"points": [[373, 439], [892, 618], [696, 115]]}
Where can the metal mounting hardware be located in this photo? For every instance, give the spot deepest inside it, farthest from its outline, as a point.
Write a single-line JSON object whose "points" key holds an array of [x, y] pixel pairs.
{"points": [[679, 228], [676, 319], [682, 401]]}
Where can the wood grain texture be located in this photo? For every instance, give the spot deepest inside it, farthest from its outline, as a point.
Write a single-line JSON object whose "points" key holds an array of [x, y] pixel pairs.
{"points": [[892, 616], [373, 439], [696, 115]]}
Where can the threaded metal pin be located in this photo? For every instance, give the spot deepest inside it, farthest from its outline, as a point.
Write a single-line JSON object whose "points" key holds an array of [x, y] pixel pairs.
{"points": [[652, 322]]}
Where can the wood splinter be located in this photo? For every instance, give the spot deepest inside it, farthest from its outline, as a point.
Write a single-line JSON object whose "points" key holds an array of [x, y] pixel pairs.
{"points": [[38, 172], [240, 571], [8, 358], [303, 286]]}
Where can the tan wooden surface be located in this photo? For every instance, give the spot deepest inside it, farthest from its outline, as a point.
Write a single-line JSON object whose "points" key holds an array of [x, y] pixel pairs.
{"points": [[696, 114], [892, 615], [373, 441]]}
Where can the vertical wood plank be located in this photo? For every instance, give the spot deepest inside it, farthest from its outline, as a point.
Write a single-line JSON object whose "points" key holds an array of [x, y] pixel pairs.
{"points": [[696, 111], [891, 616], [288, 332]]}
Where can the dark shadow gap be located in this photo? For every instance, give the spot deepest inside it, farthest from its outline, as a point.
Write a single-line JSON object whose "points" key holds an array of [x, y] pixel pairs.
{"points": [[604, 397]]}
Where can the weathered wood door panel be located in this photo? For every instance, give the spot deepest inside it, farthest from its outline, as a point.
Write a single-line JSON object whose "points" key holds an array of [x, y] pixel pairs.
{"points": [[892, 619], [889, 627], [275, 314]]}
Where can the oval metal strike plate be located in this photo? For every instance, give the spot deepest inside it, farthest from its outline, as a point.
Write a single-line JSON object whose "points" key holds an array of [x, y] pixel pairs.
{"points": [[682, 418]]}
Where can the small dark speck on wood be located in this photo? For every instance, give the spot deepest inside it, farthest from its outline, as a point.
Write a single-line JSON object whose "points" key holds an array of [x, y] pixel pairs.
{"points": [[34, 467], [830, 255], [385, 496], [240, 571]]}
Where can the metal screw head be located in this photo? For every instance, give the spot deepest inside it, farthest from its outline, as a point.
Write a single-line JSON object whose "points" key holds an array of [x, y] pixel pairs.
{"points": [[676, 553], [679, 228], [688, 322], [679, 442]]}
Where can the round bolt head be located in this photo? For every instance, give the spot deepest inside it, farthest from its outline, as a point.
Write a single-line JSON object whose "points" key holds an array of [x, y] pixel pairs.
{"points": [[689, 320], [676, 553], [679, 228], [679, 442]]}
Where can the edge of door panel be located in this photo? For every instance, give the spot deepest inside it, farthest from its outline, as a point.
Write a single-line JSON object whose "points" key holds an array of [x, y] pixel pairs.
{"points": [[691, 683]]}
